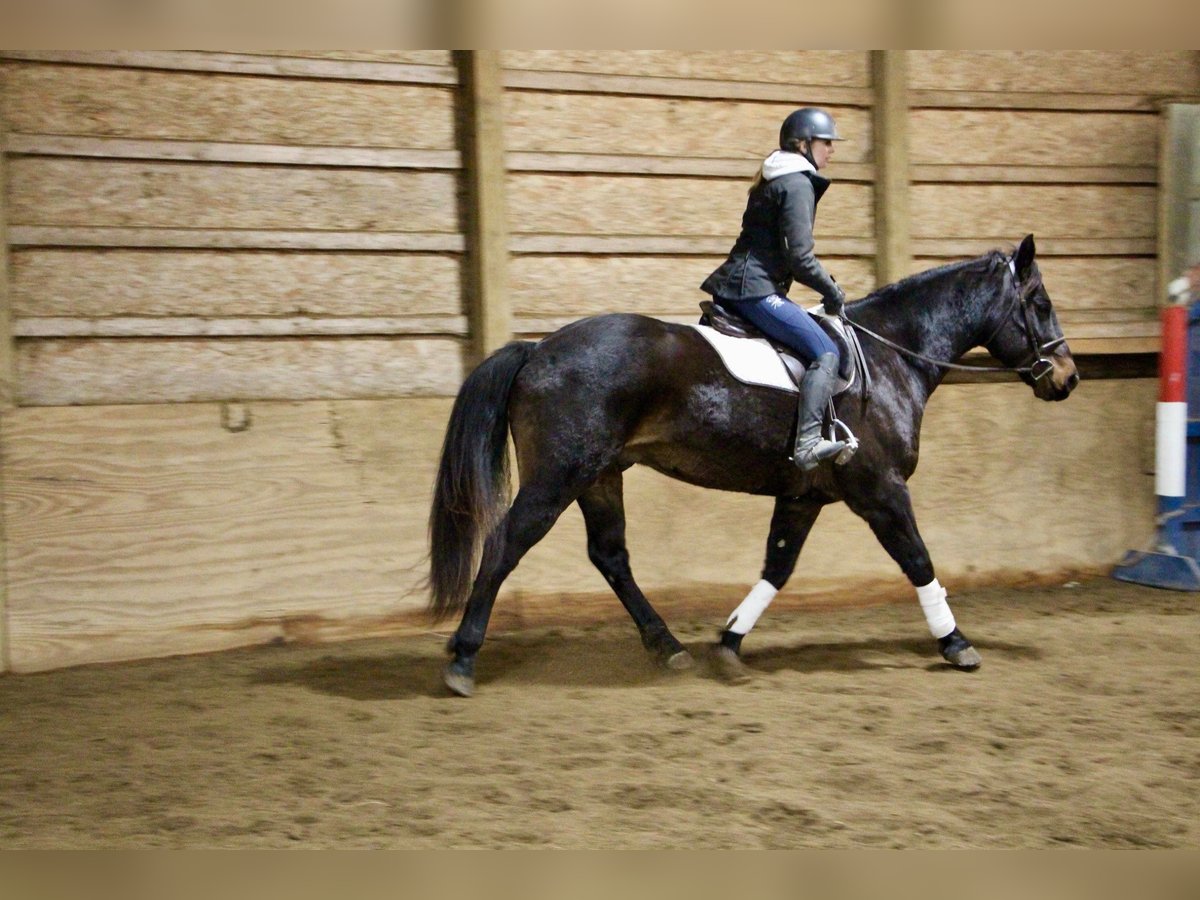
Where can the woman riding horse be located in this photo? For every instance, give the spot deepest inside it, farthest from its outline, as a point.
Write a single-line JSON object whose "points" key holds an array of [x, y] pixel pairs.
{"points": [[776, 246]]}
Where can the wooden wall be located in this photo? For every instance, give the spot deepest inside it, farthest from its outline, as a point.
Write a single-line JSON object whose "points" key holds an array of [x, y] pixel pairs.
{"points": [[199, 226], [628, 172], [240, 289], [1062, 144]]}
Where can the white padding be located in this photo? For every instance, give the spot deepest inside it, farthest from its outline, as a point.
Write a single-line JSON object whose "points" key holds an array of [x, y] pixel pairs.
{"points": [[1170, 449], [936, 609], [751, 608]]}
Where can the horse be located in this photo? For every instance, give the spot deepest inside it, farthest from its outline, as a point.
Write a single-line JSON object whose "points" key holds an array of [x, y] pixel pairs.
{"points": [[607, 392]]}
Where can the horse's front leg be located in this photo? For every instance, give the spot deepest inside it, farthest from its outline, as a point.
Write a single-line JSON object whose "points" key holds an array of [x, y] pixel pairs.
{"points": [[790, 524], [887, 508]]}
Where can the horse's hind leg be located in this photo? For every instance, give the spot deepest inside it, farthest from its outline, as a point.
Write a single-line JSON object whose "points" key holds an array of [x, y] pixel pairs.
{"points": [[603, 508], [531, 515]]}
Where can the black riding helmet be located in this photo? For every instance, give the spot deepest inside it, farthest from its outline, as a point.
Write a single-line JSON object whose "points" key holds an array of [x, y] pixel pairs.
{"points": [[807, 124]]}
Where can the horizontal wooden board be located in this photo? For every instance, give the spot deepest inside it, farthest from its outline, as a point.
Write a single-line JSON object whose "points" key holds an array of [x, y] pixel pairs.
{"points": [[133, 103], [550, 286], [614, 163], [435, 69], [87, 192], [664, 246], [246, 326], [850, 68], [1115, 346], [545, 121], [959, 248], [1147, 72], [578, 83], [413, 57], [148, 530], [58, 372], [1009, 211], [1101, 284], [214, 151], [642, 205], [96, 283], [1062, 102], [1033, 174], [1050, 139], [233, 239]]}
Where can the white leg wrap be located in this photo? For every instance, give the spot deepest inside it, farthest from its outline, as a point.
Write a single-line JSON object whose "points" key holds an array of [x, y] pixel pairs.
{"points": [[755, 604], [936, 609]]}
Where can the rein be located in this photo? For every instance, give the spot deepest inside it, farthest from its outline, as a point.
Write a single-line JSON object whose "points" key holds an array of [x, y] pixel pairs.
{"points": [[1041, 366]]}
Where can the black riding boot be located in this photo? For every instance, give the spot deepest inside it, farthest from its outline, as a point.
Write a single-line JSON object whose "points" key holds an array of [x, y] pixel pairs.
{"points": [[815, 390]]}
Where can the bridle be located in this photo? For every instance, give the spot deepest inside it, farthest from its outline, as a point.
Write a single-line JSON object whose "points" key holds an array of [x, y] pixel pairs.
{"points": [[1039, 368]]}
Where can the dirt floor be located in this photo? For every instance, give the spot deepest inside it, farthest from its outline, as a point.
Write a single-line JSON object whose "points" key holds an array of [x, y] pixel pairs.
{"points": [[1082, 728]]}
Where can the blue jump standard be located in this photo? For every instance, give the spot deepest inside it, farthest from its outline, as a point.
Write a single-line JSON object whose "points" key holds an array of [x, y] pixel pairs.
{"points": [[1165, 567], [1174, 561], [1172, 564]]}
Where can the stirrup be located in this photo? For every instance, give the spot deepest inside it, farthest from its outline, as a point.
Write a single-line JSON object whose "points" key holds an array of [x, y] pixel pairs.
{"points": [[848, 438]]}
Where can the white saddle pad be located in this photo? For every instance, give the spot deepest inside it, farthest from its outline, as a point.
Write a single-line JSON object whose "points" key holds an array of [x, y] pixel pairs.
{"points": [[749, 360]]}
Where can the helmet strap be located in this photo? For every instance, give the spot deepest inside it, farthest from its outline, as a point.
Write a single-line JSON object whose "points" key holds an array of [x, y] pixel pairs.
{"points": [[807, 153]]}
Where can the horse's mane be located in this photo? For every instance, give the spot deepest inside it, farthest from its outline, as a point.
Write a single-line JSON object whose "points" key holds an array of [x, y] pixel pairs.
{"points": [[917, 284]]}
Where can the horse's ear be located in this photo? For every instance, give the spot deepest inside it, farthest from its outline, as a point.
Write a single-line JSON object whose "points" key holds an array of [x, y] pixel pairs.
{"points": [[1023, 258]]}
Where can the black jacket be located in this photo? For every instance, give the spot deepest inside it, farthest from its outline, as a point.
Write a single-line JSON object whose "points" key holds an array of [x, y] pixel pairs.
{"points": [[776, 243]]}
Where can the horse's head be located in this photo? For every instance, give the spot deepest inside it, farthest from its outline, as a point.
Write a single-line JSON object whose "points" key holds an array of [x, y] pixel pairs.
{"points": [[1029, 338]]}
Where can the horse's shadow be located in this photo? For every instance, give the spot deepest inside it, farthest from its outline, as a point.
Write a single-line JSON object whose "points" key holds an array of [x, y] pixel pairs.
{"points": [[593, 661], [869, 654], [395, 677]]}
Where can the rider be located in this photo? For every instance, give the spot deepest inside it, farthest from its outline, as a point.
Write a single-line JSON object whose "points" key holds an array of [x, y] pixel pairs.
{"points": [[776, 246]]}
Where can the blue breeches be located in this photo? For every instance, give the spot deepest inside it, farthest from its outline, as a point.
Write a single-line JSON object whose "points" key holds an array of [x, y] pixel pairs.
{"points": [[782, 320]]}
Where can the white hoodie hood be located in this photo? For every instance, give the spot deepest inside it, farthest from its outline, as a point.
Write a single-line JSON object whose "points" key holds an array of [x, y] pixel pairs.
{"points": [[782, 162]]}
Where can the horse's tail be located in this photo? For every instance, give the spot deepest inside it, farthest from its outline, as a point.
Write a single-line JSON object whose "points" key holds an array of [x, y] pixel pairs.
{"points": [[472, 487]]}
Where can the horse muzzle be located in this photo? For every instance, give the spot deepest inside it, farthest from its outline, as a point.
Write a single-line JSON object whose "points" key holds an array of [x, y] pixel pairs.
{"points": [[1053, 376]]}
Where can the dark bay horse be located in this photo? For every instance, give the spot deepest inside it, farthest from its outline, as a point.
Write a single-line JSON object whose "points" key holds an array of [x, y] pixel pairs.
{"points": [[605, 393]]}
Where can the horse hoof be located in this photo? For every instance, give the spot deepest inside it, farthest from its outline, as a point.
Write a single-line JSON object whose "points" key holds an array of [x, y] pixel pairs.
{"points": [[730, 667], [967, 659], [680, 661], [458, 682], [957, 651]]}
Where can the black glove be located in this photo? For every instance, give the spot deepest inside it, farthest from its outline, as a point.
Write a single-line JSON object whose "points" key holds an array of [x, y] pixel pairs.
{"points": [[833, 303]]}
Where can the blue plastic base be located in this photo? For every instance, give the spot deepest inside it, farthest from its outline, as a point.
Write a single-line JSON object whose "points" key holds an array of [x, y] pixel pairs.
{"points": [[1161, 570]]}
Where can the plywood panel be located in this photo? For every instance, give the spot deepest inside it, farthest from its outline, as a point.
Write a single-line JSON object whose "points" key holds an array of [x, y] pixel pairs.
{"points": [[144, 531], [811, 67], [1010, 211], [131, 194], [140, 103], [1161, 72], [105, 371], [93, 283], [1010, 138], [540, 121], [549, 286], [597, 204]]}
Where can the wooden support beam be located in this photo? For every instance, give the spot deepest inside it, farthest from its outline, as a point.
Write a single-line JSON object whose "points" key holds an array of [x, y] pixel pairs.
{"points": [[487, 279], [7, 388], [893, 255]]}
